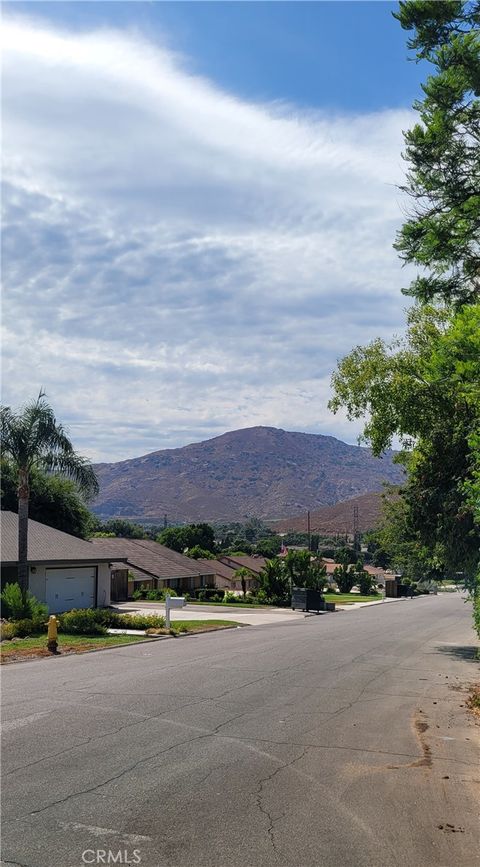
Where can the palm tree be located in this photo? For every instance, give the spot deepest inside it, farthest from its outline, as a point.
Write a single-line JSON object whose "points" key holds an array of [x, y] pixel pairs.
{"points": [[244, 574], [274, 578], [33, 439]]}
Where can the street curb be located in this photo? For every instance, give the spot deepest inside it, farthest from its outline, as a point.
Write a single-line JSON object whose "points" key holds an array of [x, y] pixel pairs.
{"points": [[129, 644]]}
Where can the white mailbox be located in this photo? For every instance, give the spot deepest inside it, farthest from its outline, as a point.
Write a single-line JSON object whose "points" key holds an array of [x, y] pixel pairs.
{"points": [[172, 602]]}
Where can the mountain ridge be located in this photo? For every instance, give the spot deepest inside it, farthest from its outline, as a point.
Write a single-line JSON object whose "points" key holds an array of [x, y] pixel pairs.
{"points": [[340, 518], [263, 471]]}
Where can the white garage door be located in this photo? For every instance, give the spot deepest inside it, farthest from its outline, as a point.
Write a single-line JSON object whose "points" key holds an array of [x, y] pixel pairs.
{"points": [[68, 588]]}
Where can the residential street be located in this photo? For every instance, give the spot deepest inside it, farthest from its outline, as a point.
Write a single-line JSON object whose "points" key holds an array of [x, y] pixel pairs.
{"points": [[334, 741]]}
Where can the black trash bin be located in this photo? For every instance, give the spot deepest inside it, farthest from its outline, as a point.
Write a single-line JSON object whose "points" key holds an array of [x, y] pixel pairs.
{"points": [[305, 599]]}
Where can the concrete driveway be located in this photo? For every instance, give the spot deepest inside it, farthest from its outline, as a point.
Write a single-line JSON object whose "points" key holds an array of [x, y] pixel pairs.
{"points": [[246, 616]]}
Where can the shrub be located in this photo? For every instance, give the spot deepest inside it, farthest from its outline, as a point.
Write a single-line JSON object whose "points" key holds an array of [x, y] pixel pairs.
{"points": [[476, 605], [138, 594], [366, 583], [344, 578], [30, 626], [7, 631], [210, 594], [83, 621], [140, 621], [160, 594], [95, 621], [229, 597], [17, 606], [262, 597]]}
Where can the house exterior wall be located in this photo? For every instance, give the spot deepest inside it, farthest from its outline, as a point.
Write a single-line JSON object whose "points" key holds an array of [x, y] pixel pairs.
{"points": [[137, 583], [9, 575], [36, 579], [250, 584], [222, 583], [180, 585]]}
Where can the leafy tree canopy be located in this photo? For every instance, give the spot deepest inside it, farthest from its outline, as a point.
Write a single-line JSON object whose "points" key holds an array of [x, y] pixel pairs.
{"points": [[121, 527], [53, 501], [180, 538], [425, 389], [198, 553], [269, 547], [441, 235]]}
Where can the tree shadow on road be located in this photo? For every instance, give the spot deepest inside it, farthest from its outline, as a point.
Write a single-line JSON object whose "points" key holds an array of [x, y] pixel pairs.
{"points": [[458, 651]]}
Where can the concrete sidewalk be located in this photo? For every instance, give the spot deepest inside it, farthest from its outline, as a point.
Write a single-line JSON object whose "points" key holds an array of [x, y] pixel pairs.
{"points": [[247, 616]]}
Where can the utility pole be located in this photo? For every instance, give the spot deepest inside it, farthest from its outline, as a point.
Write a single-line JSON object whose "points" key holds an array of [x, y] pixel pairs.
{"points": [[165, 522], [356, 539], [308, 531]]}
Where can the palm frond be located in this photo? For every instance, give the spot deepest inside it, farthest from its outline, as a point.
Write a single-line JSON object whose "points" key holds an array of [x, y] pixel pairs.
{"points": [[33, 438], [74, 467]]}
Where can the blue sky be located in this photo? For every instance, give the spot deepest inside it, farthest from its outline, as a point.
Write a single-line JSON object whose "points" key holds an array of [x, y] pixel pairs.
{"points": [[338, 55], [200, 202]]}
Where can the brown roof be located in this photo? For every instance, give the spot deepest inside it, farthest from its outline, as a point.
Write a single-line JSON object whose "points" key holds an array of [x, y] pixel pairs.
{"points": [[376, 571], [255, 564], [151, 557], [219, 568], [45, 544]]}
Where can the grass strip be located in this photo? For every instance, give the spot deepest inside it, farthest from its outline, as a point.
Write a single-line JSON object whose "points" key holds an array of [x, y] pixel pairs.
{"points": [[36, 645]]}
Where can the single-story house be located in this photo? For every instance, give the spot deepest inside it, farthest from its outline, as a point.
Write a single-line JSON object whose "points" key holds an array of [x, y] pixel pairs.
{"points": [[154, 566], [254, 563], [375, 571], [223, 576], [63, 571]]}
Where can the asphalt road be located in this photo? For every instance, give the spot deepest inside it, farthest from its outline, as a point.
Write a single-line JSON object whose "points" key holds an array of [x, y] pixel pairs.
{"points": [[334, 741]]}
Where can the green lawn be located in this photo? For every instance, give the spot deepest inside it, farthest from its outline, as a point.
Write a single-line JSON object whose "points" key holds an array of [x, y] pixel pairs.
{"points": [[350, 598], [230, 604], [37, 644], [202, 625], [341, 598]]}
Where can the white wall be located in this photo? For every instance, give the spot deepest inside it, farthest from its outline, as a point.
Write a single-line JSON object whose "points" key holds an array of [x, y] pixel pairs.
{"points": [[37, 580]]}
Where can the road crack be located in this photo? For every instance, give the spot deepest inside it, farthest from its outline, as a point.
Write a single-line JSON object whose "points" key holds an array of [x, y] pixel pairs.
{"points": [[259, 797]]}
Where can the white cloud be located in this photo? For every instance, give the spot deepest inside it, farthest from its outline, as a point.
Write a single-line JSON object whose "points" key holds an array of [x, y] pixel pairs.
{"points": [[178, 262]]}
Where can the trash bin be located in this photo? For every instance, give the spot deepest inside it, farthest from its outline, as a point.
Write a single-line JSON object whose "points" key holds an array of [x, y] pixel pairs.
{"points": [[305, 599]]}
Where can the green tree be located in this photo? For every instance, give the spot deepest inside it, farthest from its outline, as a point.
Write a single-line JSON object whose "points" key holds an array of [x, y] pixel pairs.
{"points": [[424, 389], [400, 538], [344, 577], [123, 528], [297, 565], [441, 235], [32, 439], [269, 547], [240, 546], [244, 574], [181, 538], [274, 580], [346, 555], [198, 553], [53, 501]]}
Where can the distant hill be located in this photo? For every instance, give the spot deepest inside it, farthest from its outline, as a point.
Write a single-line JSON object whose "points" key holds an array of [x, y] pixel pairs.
{"points": [[338, 518], [259, 471]]}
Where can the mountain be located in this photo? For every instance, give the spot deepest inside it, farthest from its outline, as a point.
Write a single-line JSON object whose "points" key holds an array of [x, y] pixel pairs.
{"points": [[260, 471], [338, 518]]}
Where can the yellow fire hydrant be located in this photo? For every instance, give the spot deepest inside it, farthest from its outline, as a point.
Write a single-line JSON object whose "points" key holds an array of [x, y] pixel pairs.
{"points": [[52, 643]]}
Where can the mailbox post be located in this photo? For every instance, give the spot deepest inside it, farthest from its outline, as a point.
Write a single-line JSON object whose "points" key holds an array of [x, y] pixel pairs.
{"points": [[172, 602]]}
